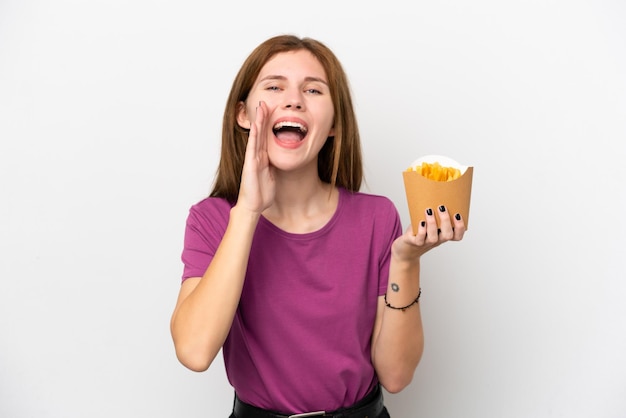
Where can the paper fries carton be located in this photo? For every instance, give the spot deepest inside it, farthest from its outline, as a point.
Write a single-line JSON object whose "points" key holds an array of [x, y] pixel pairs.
{"points": [[423, 193]]}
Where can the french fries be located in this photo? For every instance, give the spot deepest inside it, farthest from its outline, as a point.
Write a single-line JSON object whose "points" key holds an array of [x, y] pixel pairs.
{"points": [[437, 172]]}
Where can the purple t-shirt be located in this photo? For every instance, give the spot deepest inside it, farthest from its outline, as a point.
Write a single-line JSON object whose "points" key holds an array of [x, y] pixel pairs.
{"points": [[301, 337]]}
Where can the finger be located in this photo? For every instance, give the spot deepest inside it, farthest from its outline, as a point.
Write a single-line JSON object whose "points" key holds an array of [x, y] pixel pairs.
{"points": [[459, 227], [446, 232], [251, 146], [420, 236], [254, 127], [432, 233], [260, 121]]}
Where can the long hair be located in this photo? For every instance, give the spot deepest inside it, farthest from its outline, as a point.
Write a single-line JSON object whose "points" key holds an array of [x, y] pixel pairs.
{"points": [[339, 161]]}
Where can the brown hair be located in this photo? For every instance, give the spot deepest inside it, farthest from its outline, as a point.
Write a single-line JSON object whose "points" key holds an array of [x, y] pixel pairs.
{"points": [[339, 161]]}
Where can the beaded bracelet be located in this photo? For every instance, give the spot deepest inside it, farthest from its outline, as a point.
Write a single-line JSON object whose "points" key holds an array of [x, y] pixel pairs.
{"points": [[404, 308]]}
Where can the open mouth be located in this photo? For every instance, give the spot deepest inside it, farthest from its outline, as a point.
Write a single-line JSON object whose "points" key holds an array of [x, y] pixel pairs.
{"points": [[287, 131]]}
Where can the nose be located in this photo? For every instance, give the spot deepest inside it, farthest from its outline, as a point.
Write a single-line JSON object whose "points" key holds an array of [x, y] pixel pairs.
{"points": [[293, 101]]}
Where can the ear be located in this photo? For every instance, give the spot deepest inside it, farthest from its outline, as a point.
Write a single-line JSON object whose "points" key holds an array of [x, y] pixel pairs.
{"points": [[331, 132], [242, 116]]}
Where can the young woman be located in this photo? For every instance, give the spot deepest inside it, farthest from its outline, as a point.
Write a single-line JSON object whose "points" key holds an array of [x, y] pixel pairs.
{"points": [[307, 284]]}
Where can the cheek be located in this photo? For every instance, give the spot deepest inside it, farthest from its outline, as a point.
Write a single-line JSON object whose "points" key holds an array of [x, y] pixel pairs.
{"points": [[253, 103], [327, 113], [251, 112], [331, 123], [251, 109]]}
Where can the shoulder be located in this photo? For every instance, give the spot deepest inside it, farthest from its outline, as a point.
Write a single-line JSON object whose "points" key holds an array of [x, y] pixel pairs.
{"points": [[375, 210], [210, 204], [368, 201], [210, 211]]}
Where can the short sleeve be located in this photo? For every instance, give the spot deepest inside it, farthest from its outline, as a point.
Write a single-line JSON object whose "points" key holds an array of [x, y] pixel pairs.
{"points": [[205, 227]]}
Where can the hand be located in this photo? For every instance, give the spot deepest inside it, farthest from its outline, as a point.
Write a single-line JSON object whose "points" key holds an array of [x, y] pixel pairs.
{"points": [[408, 246], [257, 189]]}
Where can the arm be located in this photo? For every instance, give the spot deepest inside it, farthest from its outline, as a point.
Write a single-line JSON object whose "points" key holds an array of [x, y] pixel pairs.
{"points": [[398, 337], [206, 305]]}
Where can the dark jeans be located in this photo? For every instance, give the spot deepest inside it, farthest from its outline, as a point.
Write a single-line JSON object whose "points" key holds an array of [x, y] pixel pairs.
{"points": [[363, 409]]}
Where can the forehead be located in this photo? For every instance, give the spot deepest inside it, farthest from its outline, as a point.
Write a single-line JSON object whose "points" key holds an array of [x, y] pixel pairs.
{"points": [[293, 64]]}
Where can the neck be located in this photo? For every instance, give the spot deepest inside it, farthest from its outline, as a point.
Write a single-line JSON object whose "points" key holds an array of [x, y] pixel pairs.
{"points": [[300, 195], [302, 204]]}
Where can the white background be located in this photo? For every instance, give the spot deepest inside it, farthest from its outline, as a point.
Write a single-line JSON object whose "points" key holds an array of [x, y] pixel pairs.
{"points": [[110, 114]]}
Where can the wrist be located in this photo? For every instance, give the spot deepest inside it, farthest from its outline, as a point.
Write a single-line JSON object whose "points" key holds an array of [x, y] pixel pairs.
{"points": [[404, 262], [243, 214], [404, 252]]}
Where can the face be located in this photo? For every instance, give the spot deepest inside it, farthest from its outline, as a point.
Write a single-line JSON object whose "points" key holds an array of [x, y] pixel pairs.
{"points": [[300, 118]]}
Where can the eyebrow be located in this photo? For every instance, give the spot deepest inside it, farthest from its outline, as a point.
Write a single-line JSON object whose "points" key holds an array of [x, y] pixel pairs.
{"points": [[307, 79]]}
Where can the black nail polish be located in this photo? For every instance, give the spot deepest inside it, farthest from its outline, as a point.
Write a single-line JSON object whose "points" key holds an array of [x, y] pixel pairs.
{"points": [[457, 216], [423, 223], [429, 212], [442, 208]]}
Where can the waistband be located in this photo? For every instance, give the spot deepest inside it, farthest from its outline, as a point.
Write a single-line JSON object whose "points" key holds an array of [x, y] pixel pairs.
{"points": [[371, 406]]}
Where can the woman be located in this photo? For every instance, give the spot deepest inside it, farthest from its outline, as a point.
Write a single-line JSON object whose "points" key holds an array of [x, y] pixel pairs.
{"points": [[308, 285]]}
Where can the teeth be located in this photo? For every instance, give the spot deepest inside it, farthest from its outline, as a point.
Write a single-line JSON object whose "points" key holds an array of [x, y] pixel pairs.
{"points": [[289, 125]]}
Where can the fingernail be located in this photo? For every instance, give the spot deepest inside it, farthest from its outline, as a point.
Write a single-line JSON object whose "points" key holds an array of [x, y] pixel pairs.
{"points": [[457, 216], [429, 212], [423, 223], [442, 208]]}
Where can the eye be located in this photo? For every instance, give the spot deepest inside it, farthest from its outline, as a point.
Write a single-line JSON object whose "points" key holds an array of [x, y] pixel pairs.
{"points": [[272, 88], [313, 91]]}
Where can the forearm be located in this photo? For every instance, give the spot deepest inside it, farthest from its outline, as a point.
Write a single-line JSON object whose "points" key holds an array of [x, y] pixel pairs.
{"points": [[399, 343], [204, 313]]}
